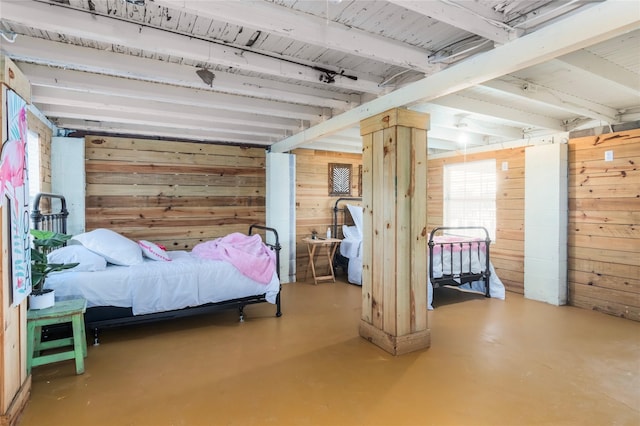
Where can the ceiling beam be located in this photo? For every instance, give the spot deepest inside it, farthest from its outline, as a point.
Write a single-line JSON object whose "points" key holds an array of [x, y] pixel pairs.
{"points": [[336, 145], [310, 29], [167, 110], [504, 112], [155, 133], [154, 120], [457, 15], [157, 120], [585, 61], [59, 19], [76, 81], [454, 119], [548, 97], [565, 36], [71, 57]]}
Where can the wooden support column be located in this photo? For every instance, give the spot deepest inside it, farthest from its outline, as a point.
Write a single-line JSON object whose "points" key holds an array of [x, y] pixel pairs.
{"points": [[394, 197], [15, 383]]}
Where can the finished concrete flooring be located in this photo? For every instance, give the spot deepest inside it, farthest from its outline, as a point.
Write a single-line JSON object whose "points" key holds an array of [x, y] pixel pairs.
{"points": [[491, 362]]}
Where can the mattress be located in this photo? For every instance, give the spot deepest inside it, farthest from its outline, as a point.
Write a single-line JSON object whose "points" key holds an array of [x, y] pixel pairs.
{"points": [[157, 286]]}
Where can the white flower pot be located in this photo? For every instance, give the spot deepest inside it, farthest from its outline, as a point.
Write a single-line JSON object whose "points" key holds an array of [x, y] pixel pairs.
{"points": [[42, 300]]}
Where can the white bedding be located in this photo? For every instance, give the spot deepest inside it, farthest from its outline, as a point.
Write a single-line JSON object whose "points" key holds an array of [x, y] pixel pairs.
{"points": [[351, 248], [351, 245], [156, 286]]}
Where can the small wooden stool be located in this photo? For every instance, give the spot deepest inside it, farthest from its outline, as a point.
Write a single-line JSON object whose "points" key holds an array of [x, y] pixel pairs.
{"points": [[63, 311]]}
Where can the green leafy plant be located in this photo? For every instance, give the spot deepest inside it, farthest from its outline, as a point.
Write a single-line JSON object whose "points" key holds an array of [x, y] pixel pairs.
{"points": [[43, 243]]}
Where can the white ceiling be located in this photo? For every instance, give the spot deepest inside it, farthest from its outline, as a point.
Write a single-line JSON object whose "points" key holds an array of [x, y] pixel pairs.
{"points": [[290, 73]]}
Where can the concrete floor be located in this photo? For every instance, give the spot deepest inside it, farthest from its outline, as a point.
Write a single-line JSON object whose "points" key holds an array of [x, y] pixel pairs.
{"points": [[492, 362]]}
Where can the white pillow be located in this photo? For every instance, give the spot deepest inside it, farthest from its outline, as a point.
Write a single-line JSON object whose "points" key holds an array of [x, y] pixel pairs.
{"points": [[153, 251], [356, 214], [88, 260], [350, 232], [115, 248]]}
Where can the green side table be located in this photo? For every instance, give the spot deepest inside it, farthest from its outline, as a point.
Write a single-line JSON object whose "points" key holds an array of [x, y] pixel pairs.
{"points": [[63, 311]]}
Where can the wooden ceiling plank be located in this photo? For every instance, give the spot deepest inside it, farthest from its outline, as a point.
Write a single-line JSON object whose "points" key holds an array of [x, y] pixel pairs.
{"points": [[548, 97], [585, 61], [462, 18], [557, 39], [106, 85], [154, 120], [311, 29], [70, 57], [156, 133], [71, 22]]}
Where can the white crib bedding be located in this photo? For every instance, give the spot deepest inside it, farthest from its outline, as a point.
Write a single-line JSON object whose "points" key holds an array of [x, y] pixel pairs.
{"points": [[157, 286]]}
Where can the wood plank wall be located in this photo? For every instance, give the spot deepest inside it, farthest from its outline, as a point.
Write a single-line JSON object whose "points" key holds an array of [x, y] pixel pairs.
{"points": [[507, 252], [15, 383], [314, 206], [44, 137], [604, 218], [173, 193]]}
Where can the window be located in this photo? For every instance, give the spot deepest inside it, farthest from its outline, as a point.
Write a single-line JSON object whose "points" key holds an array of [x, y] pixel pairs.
{"points": [[339, 179], [470, 195]]}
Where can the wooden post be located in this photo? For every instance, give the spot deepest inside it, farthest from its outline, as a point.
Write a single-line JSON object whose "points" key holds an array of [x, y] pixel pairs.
{"points": [[394, 197], [15, 384]]}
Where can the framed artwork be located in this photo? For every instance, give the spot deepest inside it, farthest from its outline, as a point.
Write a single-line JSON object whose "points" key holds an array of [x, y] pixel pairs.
{"points": [[339, 179], [14, 192]]}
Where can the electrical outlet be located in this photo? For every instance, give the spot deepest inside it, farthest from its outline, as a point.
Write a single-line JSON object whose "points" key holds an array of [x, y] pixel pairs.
{"points": [[505, 166], [608, 155]]}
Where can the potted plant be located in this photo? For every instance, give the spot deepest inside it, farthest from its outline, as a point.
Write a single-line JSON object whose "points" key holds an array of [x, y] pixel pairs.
{"points": [[43, 243]]}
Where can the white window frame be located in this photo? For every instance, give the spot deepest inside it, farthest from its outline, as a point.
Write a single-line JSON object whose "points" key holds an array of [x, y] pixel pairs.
{"points": [[33, 154], [469, 197]]}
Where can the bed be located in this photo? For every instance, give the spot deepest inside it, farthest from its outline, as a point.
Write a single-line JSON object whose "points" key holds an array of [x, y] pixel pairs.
{"points": [[459, 257], [162, 284], [347, 226], [454, 257]]}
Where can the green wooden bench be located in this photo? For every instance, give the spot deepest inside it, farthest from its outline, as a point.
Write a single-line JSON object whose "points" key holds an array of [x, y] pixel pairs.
{"points": [[64, 311]]}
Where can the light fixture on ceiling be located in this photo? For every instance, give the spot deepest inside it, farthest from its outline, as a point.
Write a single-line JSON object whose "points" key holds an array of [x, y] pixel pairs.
{"points": [[206, 76], [135, 2], [463, 135]]}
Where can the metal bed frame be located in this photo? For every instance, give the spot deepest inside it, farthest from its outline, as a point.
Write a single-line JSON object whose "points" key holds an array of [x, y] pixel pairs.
{"points": [[339, 261], [463, 276], [99, 317]]}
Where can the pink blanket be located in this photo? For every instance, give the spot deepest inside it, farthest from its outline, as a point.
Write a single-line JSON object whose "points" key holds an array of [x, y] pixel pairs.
{"points": [[247, 253]]}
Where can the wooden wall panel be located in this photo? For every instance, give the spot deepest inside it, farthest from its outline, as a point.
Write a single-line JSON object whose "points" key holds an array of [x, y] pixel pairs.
{"points": [[314, 206], [15, 383], [44, 137], [507, 252], [604, 215], [174, 193]]}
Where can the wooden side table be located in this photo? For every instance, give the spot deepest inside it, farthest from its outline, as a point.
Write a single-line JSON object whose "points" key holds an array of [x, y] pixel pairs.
{"points": [[63, 311], [330, 245]]}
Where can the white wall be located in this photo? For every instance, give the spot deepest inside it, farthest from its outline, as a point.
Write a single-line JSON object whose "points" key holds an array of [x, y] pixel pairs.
{"points": [[68, 178], [281, 209], [545, 223]]}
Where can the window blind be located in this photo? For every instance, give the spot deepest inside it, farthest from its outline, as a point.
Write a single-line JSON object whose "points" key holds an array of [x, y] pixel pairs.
{"points": [[470, 195]]}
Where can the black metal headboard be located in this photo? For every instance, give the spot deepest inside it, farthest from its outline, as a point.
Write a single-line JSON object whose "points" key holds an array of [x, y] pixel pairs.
{"points": [[275, 246], [336, 229], [49, 212]]}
